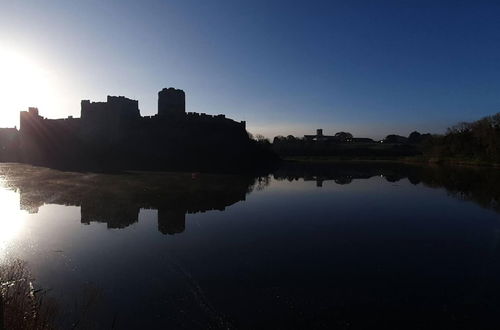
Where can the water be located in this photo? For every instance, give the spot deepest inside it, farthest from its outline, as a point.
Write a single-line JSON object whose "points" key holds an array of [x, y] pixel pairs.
{"points": [[323, 246]]}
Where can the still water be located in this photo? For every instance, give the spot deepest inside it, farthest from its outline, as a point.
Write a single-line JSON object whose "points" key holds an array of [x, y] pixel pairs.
{"points": [[332, 246]]}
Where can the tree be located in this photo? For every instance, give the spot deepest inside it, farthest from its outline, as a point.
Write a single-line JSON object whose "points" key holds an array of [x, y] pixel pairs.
{"points": [[414, 137], [344, 136], [393, 138], [261, 138], [279, 139], [477, 141]]}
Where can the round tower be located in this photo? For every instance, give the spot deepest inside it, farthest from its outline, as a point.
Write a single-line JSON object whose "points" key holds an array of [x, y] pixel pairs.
{"points": [[171, 102]]}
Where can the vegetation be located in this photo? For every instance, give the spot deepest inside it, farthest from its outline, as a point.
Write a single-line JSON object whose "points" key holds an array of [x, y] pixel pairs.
{"points": [[473, 143], [25, 307], [21, 305], [478, 141], [344, 146]]}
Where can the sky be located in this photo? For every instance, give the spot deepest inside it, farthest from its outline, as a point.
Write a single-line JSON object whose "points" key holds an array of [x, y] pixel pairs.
{"points": [[286, 67]]}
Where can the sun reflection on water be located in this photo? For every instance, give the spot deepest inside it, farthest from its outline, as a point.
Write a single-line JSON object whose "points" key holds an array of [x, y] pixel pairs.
{"points": [[11, 220]]}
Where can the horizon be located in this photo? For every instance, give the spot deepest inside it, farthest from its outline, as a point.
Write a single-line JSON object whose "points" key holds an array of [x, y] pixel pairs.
{"points": [[286, 70], [326, 131]]}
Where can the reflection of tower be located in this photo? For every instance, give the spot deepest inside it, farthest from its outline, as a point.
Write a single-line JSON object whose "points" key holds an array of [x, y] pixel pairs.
{"points": [[30, 131], [171, 221], [171, 102], [114, 214], [31, 205]]}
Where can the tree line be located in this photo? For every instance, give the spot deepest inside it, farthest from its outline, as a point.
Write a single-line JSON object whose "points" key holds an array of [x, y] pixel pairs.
{"points": [[472, 141], [477, 141]]}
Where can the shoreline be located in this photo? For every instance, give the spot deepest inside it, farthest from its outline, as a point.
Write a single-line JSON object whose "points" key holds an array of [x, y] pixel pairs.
{"points": [[416, 160]]}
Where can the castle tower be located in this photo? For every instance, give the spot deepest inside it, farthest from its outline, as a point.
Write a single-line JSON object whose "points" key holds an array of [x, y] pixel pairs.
{"points": [[171, 102], [29, 119]]}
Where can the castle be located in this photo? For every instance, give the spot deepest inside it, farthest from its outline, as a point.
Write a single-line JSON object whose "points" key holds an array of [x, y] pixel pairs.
{"points": [[114, 134], [111, 117]]}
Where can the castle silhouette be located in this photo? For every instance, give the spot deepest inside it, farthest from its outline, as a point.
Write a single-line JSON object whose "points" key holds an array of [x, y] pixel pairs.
{"points": [[117, 199], [113, 134]]}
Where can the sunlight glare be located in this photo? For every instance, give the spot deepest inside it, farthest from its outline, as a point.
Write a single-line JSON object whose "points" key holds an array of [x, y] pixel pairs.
{"points": [[23, 83], [11, 219]]}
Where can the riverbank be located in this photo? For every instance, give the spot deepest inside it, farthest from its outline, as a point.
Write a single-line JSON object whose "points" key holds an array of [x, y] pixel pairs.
{"points": [[22, 306]]}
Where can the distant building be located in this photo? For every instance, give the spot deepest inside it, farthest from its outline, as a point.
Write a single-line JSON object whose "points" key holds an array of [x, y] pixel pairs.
{"points": [[340, 137], [320, 137]]}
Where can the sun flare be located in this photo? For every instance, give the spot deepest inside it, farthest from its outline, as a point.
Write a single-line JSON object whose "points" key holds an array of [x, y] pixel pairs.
{"points": [[11, 219], [23, 83]]}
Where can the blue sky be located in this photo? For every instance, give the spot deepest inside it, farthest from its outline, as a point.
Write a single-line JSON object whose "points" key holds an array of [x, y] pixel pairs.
{"points": [[286, 67]]}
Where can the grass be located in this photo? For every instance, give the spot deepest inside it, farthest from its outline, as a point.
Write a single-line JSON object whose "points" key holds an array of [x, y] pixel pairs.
{"points": [[21, 305]]}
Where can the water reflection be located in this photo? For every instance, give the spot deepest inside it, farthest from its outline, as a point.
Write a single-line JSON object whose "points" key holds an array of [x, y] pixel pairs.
{"points": [[11, 220], [373, 245], [480, 185], [116, 199]]}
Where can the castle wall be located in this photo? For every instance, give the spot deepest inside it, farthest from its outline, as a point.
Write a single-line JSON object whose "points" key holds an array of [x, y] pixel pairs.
{"points": [[115, 108], [114, 133]]}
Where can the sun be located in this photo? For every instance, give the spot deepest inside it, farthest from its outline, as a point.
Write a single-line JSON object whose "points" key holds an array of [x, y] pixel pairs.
{"points": [[24, 82]]}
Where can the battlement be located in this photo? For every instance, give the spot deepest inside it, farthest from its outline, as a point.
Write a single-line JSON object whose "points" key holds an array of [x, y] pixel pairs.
{"points": [[213, 118], [114, 109], [33, 111], [27, 118], [122, 101], [204, 115]]}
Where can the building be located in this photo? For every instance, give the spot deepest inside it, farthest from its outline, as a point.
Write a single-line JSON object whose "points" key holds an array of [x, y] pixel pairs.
{"points": [[115, 133], [116, 108], [340, 137], [320, 137]]}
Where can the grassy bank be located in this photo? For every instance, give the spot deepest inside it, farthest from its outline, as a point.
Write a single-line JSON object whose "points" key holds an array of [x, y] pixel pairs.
{"points": [[21, 305]]}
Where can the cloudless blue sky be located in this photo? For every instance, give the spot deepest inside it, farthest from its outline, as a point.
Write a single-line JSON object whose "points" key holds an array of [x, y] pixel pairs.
{"points": [[287, 67]]}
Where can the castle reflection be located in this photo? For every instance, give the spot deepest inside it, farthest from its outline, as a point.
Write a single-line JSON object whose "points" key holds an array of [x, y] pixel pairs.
{"points": [[116, 199]]}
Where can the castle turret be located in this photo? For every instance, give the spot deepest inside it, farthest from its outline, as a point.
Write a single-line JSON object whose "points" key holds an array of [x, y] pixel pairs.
{"points": [[28, 119], [171, 102]]}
